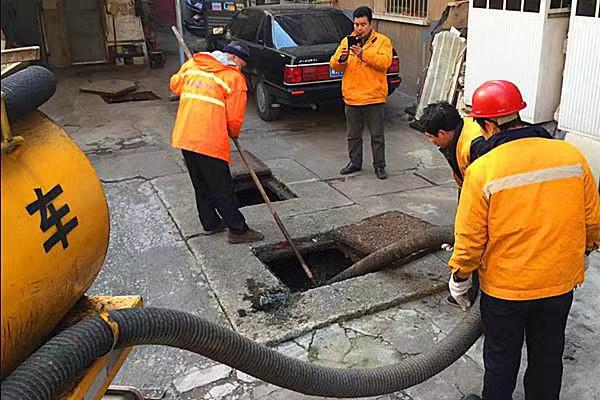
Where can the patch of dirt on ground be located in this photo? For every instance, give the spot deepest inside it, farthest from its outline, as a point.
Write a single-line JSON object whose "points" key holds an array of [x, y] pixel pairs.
{"points": [[376, 232]]}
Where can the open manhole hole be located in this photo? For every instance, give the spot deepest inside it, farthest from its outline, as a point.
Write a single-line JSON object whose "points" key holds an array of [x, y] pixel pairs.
{"points": [[132, 96], [325, 257], [248, 193]]}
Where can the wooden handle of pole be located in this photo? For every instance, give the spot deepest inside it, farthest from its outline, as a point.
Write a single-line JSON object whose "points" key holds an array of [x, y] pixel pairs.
{"points": [[265, 197], [182, 44]]}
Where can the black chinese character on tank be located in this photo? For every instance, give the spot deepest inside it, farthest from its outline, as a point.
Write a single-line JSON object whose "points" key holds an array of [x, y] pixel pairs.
{"points": [[51, 217]]}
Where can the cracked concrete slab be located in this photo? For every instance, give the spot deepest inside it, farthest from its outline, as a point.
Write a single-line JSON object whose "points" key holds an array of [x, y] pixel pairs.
{"points": [[330, 346], [147, 256], [147, 165], [152, 256], [312, 196], [364, 186], [344, 300], [436, 175], [178, 194], [436, 205], [332, 154], [288, 171]]}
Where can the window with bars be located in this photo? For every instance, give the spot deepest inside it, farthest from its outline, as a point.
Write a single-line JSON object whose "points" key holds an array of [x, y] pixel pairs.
{"points": [[417, 9]]}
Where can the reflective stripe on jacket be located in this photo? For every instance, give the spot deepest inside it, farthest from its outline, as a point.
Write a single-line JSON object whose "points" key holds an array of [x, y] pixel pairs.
{"points": [[211, 107], [528, 210], [365, 80]]}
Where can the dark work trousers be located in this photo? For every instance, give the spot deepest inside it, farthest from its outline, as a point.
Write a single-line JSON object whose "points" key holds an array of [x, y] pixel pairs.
{"points": [[356, 119], [212, 182], [542, 324]]}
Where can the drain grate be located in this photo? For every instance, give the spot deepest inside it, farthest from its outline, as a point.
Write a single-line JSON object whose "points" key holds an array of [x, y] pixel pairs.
{"points": [[325, 259], [248, 194]]}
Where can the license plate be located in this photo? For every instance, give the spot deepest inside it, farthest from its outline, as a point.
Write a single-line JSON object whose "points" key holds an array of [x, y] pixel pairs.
{"points": [[334, 75]]}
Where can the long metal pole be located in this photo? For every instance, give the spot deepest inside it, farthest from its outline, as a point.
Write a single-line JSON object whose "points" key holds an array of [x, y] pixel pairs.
{"points": [[259, 186], [265, 197], [179, 23]]}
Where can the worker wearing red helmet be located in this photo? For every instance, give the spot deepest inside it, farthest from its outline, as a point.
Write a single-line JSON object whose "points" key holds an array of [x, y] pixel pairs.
{"points": [[528, 214]]}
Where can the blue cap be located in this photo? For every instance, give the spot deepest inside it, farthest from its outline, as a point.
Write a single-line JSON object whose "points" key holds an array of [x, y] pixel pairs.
{"points": [[238, 49]]}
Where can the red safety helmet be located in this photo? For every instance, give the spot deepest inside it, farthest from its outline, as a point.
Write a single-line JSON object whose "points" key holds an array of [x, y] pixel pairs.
{"points": [[496, 99]]}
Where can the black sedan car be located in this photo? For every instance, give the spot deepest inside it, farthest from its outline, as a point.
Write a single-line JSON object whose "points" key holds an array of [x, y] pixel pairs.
{"points": [[290, 47]]}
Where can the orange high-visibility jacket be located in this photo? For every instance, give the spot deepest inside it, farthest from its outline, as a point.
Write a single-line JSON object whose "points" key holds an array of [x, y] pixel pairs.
{"points": [[365, 80], [211, 107], [529, 208], [470, 131]]}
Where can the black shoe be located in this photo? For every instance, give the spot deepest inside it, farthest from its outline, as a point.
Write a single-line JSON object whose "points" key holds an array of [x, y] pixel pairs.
{"points": [[220, 228], [348, 169], [380, 172], [471, 397]]}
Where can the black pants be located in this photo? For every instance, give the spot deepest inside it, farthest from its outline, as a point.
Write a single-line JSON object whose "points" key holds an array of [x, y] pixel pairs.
{"points": [[542, 324], [356, 119], [212, 182]]}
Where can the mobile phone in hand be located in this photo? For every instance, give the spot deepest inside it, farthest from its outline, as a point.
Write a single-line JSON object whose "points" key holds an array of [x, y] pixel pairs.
{"points": [[352, 40]]}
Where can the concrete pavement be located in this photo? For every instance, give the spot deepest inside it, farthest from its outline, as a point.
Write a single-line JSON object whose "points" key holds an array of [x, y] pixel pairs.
{"points": [[156, 250]]}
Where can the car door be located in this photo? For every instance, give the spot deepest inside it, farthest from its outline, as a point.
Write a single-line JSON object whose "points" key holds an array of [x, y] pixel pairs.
{"points": [[249, 35], [265, 57], [275, 61]]}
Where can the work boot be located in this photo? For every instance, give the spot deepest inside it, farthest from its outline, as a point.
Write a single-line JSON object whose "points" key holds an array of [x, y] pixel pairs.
{"points": [[220, 228], [249, 236], [380, 172], [349, 169], [471, 397]]}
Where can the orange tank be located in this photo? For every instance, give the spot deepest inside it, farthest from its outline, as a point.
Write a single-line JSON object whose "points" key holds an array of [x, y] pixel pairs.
{"points": [[55, 230]]}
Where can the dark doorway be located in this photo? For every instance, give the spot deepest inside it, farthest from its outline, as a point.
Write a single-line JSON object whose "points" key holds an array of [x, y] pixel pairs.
{"points": [[85, 30]]}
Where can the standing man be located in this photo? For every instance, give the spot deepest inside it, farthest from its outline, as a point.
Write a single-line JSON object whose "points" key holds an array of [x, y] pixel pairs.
{"points": [[528, 213], [364, 88], [453, 136], [212, 105]]}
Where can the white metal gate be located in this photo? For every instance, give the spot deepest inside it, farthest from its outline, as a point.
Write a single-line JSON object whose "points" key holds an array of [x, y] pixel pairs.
{"points": [[521, 41], [580, 101]]}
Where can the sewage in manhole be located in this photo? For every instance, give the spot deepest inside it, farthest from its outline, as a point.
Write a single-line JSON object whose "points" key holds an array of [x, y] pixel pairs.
{"points": [[133, 96], [325, 261], [248, 193]]}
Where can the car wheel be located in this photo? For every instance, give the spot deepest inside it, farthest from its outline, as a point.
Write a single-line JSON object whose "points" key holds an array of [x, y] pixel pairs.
{"points": [[264, 102]]}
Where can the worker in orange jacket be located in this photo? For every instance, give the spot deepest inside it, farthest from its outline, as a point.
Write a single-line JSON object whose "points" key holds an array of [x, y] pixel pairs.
{"points": [[453, 135], [364, 88], [212, 105], [458, 140], [528, 213]]}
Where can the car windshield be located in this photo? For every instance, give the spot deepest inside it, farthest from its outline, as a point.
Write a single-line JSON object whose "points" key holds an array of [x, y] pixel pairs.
{"points": [[310, 29]]}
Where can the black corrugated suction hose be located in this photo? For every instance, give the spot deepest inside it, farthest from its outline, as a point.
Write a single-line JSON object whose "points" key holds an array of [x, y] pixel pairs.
{"points": [[63, 358], [26, 90], [400, 252]]}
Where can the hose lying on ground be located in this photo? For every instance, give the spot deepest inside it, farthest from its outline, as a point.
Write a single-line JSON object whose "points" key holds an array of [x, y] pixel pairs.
{"points": [[26, 90], [68, 354], [421, 242]]}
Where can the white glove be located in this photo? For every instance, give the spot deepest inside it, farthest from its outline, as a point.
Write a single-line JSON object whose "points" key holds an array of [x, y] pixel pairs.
{"points": [[459, 291], [447, 247]]}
